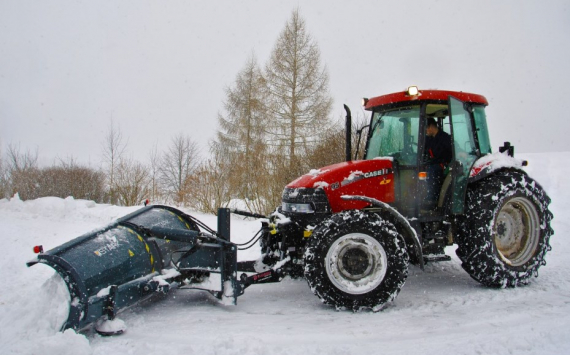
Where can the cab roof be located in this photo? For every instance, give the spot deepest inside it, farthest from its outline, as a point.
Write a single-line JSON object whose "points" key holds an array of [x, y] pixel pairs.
{"points": [[423, 95]]}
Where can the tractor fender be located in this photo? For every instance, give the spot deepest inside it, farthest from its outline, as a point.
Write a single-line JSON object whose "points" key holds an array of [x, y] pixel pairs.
{"points": [[491, 163], [408, 232]]}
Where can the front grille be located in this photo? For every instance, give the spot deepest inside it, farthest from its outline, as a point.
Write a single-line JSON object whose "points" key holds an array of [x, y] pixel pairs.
{"points": [[316, 197]]}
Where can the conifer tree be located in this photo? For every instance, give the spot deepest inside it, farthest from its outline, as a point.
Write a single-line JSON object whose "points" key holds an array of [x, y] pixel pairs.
{"points": [[299, 96], [241, 138]]}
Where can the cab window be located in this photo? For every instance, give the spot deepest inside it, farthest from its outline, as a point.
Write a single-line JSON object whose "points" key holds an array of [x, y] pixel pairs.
{"points": [[394, 133], [482, 130], [440, 113]]}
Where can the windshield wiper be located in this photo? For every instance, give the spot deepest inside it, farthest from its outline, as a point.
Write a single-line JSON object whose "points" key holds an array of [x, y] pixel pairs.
{"points": [[377, 123]]}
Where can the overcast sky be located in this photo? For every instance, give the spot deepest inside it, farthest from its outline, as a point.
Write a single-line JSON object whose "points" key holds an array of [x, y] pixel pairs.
{"points": [[159, 68]]}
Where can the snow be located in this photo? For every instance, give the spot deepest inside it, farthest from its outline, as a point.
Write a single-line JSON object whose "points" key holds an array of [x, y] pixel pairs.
{"points": [[354, 174], [320, 185], [316, 172], [212, 282], [166, 274], [495, 161], [111, 326], [439, 311]]}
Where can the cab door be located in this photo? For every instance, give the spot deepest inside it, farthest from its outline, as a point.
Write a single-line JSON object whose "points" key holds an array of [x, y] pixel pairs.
{"points": [[465, 152]]}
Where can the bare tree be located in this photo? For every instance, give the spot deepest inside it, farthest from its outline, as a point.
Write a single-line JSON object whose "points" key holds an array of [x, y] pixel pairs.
{"points": [[22, 175], [23, 172], [68, 178], [300, 101], [113, 150], [18, 160], [210, 187], [131, 182], [178, 163], [154, 173]]}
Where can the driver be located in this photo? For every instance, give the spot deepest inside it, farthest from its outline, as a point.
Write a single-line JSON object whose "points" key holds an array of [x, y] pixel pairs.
{"points": [[437, 154], [438, 145]]}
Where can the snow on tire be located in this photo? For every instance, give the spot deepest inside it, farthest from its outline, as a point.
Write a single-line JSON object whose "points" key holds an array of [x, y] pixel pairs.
{"points": [[504, 236], [356, 260]]}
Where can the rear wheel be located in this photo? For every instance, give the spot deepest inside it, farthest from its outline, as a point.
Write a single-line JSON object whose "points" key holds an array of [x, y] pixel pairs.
{"points": [[356, 260], [505, 234]]}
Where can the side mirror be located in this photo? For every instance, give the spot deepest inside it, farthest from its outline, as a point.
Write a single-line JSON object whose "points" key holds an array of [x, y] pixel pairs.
{"points": [[507, 147]]}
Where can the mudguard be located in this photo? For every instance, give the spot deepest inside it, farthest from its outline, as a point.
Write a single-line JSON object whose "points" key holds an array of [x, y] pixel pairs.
{"points": [[491, 163], [410, 234]]}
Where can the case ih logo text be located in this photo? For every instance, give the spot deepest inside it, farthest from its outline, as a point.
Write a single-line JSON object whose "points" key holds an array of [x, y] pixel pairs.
{"points": [[376, 173], [359, 176]]}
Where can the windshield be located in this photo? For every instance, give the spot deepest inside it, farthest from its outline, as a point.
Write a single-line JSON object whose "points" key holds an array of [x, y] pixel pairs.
{"points": [[394, 133]]}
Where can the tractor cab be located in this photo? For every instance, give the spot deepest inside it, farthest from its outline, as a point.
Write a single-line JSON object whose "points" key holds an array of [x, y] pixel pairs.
{"points": [[427, 186]]}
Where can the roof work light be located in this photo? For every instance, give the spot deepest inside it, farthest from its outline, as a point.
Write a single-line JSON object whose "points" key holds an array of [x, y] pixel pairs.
{"points": [[412, 91]]}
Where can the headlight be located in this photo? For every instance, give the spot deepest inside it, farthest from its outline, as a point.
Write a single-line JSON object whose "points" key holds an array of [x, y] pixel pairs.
{"points": [[297, 207]]}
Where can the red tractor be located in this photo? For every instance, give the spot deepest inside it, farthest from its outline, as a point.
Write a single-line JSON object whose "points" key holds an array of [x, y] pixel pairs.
{"points": [[352, 228], [428, 180]]}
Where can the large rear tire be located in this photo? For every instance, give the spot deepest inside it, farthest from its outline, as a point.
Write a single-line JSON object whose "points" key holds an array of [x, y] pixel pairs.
{"points": [[356, 260], [504, 236]]}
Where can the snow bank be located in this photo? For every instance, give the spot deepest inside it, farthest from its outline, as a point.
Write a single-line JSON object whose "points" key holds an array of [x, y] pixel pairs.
{"points": [[58, 209]]}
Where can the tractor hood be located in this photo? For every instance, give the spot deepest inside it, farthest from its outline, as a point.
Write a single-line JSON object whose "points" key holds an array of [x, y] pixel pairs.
{"points": [[371, 178]]}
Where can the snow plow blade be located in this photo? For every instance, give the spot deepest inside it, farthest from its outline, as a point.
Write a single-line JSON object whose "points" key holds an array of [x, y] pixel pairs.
{"points": [[148, 251]]}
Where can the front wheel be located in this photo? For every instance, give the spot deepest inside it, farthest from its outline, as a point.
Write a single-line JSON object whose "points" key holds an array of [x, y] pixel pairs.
{"points": [[505, 234], [356, 260]]}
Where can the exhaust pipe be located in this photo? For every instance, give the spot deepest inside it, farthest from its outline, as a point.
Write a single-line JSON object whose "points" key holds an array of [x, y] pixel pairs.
{"points": [[348, 134]]}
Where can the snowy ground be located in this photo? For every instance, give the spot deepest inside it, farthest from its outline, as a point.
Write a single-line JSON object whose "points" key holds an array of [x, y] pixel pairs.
{"points": [[439, 311]]}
